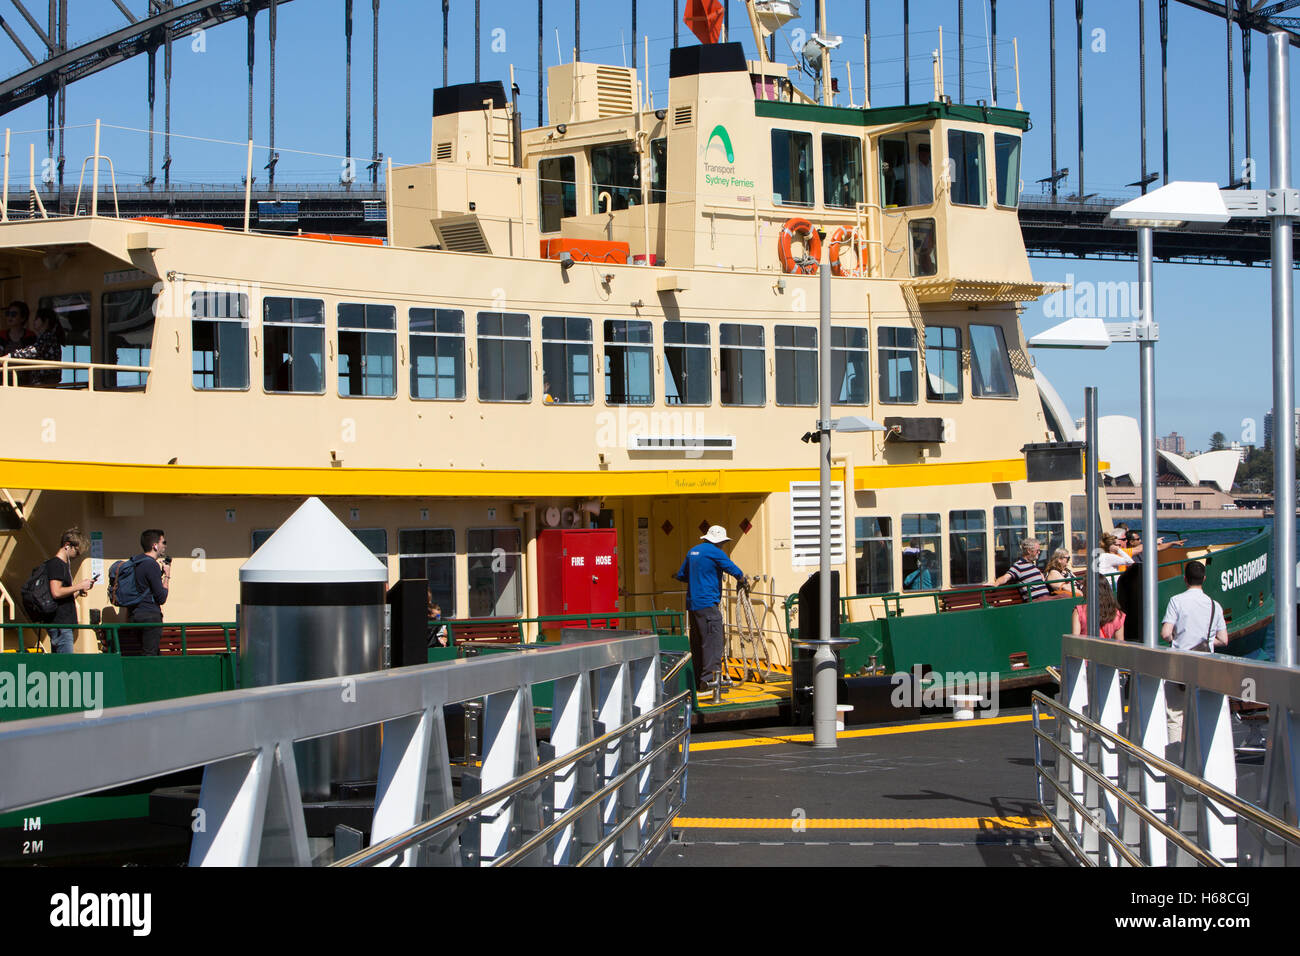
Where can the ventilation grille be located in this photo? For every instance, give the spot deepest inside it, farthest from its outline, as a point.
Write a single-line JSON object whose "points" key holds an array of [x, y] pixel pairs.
{"points": [[805, 523], [462, 234], [614, 92], [683, 116], [444, 153], [681, 443]]}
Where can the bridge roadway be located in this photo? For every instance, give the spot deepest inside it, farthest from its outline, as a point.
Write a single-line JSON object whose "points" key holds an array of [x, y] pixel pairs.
{"points": [[929, 792]]}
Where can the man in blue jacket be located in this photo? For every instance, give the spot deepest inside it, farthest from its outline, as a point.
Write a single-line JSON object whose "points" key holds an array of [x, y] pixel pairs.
{"points": [[702, 572]]}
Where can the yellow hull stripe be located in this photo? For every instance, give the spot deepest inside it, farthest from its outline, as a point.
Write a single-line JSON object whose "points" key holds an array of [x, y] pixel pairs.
{"points": [[863, 732], [795, 824], [428, 482]]}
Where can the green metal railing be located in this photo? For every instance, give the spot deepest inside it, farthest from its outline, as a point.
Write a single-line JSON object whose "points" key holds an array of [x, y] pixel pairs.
{"points": [[607, 620], [112, 631]]}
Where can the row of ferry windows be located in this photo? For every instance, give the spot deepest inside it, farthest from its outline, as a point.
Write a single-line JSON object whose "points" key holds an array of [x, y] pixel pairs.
{"points": [[967, 541], [294, 344]]}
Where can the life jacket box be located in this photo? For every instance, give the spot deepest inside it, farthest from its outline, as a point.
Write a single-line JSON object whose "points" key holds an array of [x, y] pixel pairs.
{"points": [[587, 250]]}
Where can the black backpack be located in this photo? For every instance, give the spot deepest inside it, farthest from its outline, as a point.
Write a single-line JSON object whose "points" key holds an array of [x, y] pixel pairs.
{"points": [[38, 601]]}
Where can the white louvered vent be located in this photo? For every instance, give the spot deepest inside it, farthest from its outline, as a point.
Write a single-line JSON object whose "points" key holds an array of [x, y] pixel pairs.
{"points": [[805, 523], [444, 153], [462, 234], [683, 116], [614, 92]]}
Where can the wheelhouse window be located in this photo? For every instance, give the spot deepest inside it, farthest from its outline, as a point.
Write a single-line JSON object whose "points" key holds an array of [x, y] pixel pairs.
{"points": [[966, 164], [128, 334], [429, 554], [850, 358], [1006, 152], [906, 174], [923, 553], [437, 354], [873, 556], [968, 540], [566, 360], [293, 354], [73, 312], [367, 350], [615, 170], [792, 160], [1049, 528], [504, 357], [659, 169], [841, 171], [942, 364], [897, 361], [990, 369], [688, 369], [925, 258], [557, 190], [796, 365], [1010, 527], [219, 340], [629, 362], [741, 364], [495, 586]]}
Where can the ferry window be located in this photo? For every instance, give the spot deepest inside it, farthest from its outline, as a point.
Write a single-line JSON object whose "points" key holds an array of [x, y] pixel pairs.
{"points": [[741, 364], [615, 170], [990, 369], [219, 340], [557, 190], [849, 366], [1010, 527], [966, 164], [437, 353], [792, 159], [923, 554], [874, 556], [629, 363], [906, 175], [659, 169], [1006, 151], [967, 539], [73, 311], [688, 368], [1079, 524], [924, 260], [796, 365], [897, 363], [1049, 528], [128, 334], [504, 357], [841, 170], [566, 360], [429, 554], [942, 364], [293, 355], [495, 586], [367, 350]]}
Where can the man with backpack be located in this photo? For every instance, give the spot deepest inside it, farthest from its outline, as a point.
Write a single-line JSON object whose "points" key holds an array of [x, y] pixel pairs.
{"points": [[152, 576], [63, 592]]}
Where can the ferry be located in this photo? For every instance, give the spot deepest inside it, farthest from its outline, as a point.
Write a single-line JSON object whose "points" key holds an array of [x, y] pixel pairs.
{"points": [[608, 322]]}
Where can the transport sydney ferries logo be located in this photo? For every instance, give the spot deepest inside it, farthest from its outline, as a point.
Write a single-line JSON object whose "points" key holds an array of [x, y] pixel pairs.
{"points": [[716, 173]]}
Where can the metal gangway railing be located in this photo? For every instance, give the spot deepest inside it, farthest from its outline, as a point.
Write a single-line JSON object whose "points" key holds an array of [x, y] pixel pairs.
{"points": [[603, 790], [1123, 786]]}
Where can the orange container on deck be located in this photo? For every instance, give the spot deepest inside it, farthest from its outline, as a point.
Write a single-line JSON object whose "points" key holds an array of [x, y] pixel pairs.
{"points": [[586, 250]]}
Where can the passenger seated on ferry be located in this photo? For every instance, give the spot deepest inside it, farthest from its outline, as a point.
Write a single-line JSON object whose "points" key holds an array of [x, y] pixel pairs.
{"points": [[48, 347], [1108, 612], [1060, 576], [1026, 571], [922, 578], [15, 332]]}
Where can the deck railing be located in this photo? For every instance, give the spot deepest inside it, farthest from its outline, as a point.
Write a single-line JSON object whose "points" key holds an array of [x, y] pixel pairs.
{"points": [[111, 632], [14, 373]]}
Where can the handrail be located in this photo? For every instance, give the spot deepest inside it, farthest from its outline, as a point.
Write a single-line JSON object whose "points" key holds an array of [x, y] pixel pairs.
{"points": [[676, 669], [113, 629], [11, 367], [675, 619]]}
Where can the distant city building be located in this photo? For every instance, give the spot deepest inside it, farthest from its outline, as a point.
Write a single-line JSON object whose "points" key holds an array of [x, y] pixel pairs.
{"points": [[1173, 442], [1268, 428], [1243, 451]]}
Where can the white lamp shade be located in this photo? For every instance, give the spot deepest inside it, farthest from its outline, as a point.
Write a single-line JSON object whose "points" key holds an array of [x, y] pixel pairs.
{"points": [[1178, 202], [1073, 334]]}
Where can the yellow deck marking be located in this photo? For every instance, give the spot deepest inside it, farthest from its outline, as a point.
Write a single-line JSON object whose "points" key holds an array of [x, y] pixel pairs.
{"points": [[863, 823], [865, 732]]}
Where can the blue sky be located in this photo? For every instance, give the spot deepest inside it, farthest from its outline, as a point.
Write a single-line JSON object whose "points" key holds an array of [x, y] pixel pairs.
{"points": [[1213, 358]]}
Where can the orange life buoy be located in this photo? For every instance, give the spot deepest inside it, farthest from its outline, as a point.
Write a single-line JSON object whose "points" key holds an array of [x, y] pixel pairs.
{"points": [[806, 264], [841, 236]]}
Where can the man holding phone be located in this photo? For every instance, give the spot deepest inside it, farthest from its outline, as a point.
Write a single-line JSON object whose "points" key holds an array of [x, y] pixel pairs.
{"points": [[64, 592], [153, 577]]}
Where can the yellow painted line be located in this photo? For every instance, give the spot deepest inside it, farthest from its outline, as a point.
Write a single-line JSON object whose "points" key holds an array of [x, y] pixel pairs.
{"points": [[797, 824], [864, 732]]}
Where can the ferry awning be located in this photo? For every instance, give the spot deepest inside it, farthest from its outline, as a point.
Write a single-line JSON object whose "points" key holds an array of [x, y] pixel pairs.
{"points": [[980, 290]]}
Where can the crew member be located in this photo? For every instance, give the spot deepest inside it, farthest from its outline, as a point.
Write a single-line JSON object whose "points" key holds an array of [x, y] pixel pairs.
{"points": [[702, 571]]}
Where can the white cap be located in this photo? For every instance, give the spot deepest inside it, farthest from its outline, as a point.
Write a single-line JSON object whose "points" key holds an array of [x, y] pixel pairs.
{"points": [[715, 535]]}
